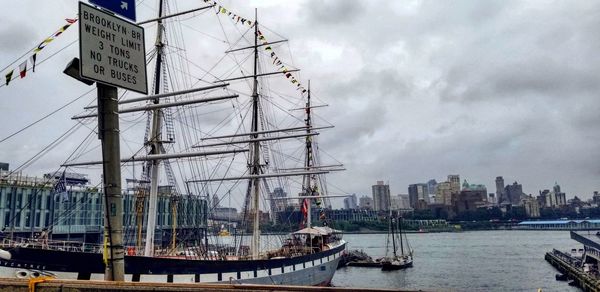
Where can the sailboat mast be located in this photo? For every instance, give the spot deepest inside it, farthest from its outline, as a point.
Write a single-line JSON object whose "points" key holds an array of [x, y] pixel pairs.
{"points": [[393, 235], [308, 160], [255, 150], [400, 231], [155, 140]]}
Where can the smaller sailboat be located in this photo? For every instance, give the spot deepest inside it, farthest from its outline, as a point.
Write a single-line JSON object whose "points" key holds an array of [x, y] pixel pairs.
{"points": [[397, 261]]}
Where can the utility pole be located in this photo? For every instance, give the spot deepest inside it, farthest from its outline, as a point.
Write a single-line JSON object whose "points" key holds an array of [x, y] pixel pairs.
{"points": [[108, 132]]}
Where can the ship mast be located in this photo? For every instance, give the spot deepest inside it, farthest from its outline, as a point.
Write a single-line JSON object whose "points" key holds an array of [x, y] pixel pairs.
{"points": [[392, 223], [155, 140], [308, 162], [255, 151], [400, 232]]}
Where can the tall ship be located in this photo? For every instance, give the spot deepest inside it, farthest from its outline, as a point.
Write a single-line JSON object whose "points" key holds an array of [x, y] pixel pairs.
{"points": [[237, 128]]}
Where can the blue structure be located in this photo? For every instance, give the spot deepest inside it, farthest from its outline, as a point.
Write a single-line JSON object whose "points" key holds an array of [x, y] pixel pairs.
{"points": [[30, 204], [586, 224]]}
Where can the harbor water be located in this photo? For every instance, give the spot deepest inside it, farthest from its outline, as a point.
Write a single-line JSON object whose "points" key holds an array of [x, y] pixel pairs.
{"points": [[464, 261]]}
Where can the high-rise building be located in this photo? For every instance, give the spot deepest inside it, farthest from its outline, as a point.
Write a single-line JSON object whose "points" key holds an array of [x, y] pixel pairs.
{"points": [[351, 202], [544, 199], [365, 203], [532, 207], [443, 193], [454, 180], [561, 198], [381, 196], [499, 189], [471, 197], [556, 187], [416, 193], [431, 187], [404, 201], [492, 198], [596, 198], [514, 193], [278, 202]]}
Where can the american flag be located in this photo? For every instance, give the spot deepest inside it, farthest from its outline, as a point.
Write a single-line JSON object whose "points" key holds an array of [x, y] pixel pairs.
{"points": [[60, 188]]}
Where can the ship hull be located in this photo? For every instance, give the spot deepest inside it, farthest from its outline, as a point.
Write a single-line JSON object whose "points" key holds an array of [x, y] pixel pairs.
{"points": [[311, 270]]}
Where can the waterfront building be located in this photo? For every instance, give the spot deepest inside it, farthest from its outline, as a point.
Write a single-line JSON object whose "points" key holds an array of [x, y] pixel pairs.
{"points": [[500, 189], [365, 203], [425, 224], [351, 202], [560, 225], [532, 207], [381, 196], [351, 215], [30, 204]]}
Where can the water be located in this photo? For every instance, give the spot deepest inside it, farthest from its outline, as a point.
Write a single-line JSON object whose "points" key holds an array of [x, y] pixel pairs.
{"points": [[467, 261]]}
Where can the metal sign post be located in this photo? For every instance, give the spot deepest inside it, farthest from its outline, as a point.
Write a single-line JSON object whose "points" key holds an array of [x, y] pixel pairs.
{"points": [[112, 52]]}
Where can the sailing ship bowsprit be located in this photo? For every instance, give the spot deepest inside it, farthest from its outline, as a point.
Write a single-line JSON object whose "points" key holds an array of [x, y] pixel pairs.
{"points": [[308, 256]]}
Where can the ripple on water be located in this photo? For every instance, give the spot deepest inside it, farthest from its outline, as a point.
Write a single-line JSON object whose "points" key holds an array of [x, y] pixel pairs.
{"points": [[465, 261]]}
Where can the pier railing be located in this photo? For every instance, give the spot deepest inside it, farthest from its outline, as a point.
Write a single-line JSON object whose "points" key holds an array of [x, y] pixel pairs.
{"points": [[61, 245]]}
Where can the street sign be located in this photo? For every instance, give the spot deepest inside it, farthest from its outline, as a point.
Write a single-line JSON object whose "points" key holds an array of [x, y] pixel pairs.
{"points": [[111, 50], [125, 8]]}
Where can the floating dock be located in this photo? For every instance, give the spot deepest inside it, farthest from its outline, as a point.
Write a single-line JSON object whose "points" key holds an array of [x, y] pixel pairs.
{"points": [[46, 285], [568, 266]]}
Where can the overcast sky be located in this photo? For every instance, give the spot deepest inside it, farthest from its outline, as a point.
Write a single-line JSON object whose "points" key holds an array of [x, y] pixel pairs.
{"points": [[416, 89]]}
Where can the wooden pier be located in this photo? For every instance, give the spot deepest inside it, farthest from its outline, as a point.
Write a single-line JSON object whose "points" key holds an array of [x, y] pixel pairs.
{"points": [[566, 265], [55, 285]]}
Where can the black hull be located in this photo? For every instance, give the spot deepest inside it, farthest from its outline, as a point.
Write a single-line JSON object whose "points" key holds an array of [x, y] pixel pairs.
{"points": [[364, 265], [392, 267], [86, 263]]}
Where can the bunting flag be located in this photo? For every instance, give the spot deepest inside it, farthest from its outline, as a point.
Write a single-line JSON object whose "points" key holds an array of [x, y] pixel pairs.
{"points": [[33, 57], [37, 49], [222, 10], [9, 76], [23, 69], [276, 60]]}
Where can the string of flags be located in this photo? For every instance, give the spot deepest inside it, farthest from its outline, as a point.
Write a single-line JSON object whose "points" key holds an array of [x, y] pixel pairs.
{"points": [[280, 66], [32, 59], [235, 17], [276, 60]]}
